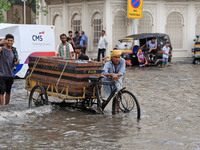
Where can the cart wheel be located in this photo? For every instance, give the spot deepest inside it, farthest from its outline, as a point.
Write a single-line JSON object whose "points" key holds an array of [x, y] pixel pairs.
{"points": [[125, 102], [38, 97]]}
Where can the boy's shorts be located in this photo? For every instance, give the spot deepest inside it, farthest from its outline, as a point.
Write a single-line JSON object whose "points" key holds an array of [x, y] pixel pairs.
{"points": [[165, 61], [142, 64], [6, 84]]}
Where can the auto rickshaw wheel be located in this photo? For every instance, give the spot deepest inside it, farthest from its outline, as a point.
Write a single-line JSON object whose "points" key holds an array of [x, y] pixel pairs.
{"points": [[196, 61], [38, 97]]}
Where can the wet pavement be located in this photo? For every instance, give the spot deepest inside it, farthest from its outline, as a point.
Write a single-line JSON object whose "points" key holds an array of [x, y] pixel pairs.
{"points": [[170, 106]]}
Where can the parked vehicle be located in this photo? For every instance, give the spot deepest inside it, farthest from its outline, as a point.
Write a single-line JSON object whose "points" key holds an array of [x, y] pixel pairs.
{"points": [[129, 46], [30, 40], [196, 50]]}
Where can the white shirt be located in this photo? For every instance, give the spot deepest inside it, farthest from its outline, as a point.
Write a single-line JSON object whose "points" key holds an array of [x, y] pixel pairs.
{"points": [[151, 45], [70, 49], [166, 50], [102, 42]]}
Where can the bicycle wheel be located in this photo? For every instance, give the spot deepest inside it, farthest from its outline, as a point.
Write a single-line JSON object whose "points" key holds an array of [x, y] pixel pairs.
{"points": [[125, 102], [38, 97]]}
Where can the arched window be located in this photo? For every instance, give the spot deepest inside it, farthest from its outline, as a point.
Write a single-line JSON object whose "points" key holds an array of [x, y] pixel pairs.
{"points": [[76, 23], [119, 28], [197, 31], [57, 22], [97, 25], [174, 29], [145, 24]]}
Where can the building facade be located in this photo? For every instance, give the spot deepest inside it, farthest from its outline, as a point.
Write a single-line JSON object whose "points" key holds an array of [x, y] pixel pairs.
{"points": [[180, 19], [15, 14]]}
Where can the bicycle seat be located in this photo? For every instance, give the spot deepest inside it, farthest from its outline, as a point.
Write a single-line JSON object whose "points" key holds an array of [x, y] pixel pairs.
{"points": [[93, 78]]}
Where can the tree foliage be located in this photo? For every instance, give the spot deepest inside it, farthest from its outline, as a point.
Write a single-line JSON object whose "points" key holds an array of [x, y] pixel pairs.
{"points": [[5, 5], [40, 9]]}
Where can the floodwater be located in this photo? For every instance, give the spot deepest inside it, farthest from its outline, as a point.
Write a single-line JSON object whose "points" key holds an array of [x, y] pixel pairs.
{"points": [[170, 106]]}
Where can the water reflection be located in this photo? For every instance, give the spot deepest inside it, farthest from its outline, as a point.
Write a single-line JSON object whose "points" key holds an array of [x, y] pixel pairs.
{"points": [[169, 100]]}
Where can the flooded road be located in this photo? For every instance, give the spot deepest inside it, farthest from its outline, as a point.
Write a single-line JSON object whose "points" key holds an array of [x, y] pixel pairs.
{"points": [[170, 106]]}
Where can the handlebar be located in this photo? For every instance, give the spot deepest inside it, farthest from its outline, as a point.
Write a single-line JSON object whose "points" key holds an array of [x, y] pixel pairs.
{"points": [[102, 76], [97, 80]]}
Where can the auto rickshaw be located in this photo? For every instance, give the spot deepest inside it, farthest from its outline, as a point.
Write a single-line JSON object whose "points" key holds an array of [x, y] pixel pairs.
{"points": [[196, 50], [129, 46]]}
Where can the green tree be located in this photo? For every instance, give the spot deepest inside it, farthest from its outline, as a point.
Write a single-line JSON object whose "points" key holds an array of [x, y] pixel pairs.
{"points": [[4, 6], [39, 8]]}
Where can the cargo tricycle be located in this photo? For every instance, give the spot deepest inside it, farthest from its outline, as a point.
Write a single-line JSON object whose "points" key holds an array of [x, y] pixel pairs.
{"points": [[77, 84]]}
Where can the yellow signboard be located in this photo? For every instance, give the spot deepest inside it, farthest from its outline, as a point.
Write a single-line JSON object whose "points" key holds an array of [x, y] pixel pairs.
{"points": [[135, 9]]}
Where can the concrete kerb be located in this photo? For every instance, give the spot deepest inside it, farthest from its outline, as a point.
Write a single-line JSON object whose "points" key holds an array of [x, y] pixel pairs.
{"points": [[183, 60]]}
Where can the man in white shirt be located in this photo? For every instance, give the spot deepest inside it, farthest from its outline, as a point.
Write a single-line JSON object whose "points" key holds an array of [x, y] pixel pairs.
{"points": [[64, 49], [102, 45]]}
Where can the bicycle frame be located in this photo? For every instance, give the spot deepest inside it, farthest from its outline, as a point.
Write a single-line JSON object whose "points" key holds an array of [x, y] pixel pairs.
{"points": [[113, 93]]}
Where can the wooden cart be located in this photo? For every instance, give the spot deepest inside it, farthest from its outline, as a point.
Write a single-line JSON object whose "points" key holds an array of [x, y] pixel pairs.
{"points": [[53, 78]]}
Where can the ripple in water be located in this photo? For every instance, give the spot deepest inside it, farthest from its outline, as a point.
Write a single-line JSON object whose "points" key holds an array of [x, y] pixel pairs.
{"points": [[7, 114]]}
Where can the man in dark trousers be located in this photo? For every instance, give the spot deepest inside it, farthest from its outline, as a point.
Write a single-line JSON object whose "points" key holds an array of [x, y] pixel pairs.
{"points": [[8, 59], [102, 45], [78, 51], [83, 42]]}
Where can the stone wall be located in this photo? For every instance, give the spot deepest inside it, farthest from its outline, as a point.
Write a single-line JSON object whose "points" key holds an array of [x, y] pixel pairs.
{"points": [[178, 18]]}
